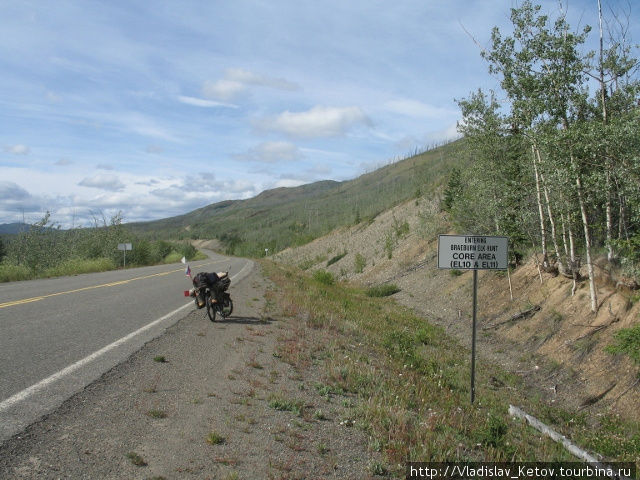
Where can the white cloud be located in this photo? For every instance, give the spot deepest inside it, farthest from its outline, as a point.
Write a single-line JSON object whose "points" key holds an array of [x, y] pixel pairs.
{"points": [[63, 162], [222, 89], [415, 108], [272, 152], [103, 181], [320, 121], [250, 78], [200, 102], [236, 81], [104, 166], [17, 149]]}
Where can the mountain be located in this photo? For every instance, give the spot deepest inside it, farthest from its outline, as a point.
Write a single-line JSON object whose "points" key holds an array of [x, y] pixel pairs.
{"points": [[13, 228], [282, 217]]}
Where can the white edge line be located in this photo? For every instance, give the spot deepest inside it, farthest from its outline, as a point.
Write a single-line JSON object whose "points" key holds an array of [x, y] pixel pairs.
{"points": [[27, 392]]}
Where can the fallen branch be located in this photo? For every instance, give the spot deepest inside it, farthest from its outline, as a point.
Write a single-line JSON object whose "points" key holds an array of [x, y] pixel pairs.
{"points": [[517, 316], [571, 447]]}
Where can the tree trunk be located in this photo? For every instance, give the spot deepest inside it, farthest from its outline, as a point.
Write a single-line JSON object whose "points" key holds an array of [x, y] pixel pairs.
{"points": [[609, 216], [572, 253], [549, 212], [587, 237], [543, 231]]}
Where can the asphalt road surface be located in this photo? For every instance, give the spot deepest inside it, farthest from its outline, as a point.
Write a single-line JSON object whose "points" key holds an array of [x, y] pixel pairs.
{"points": [[58, 335]]}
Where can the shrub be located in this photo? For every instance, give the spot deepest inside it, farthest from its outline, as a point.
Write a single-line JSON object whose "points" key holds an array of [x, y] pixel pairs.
{"points": [[359, 263], [382, 290], [324, 277]]}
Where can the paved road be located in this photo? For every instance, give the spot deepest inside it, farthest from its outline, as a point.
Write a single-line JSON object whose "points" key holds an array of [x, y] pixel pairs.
{"points": [[59, 335]]}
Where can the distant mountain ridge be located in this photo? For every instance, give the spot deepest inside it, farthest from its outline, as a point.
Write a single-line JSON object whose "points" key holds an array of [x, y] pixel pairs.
{"points": [[13, 228]]}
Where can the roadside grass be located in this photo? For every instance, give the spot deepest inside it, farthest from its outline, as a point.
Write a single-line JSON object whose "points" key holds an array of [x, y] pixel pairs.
{"points": [[215, 438], [382, 290], [278, 402], [410, 382]]}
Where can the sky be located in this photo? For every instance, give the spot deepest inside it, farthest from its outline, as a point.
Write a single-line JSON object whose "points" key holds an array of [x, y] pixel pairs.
{"points": [[156, 108]]}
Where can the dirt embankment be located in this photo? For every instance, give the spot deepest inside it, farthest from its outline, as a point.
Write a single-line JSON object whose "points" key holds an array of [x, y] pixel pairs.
{"points": [[559, 348]]}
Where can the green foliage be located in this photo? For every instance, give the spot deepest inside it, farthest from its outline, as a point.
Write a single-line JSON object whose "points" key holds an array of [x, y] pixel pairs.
{"points": [[555, 150], [388, 245], [454, 189], [400, 228], [382, 290], [44, 250], [627, 341], [359, 263], [323, 277], [494, 432]]}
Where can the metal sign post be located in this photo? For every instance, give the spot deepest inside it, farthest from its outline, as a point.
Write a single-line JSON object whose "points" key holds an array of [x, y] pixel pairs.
{"points": [[473, 252], [124, 247]]}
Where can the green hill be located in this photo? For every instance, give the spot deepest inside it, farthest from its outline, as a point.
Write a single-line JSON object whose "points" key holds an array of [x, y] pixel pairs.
{"points": [[282, 217]]}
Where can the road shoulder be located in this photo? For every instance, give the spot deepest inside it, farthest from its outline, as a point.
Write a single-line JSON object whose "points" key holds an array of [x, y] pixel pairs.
{"points": [[222, 404]]}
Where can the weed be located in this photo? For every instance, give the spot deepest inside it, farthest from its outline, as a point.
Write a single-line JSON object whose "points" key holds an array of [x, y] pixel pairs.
{"points": [[277, 402], [359, 263], [455, 272], [493, 433], [377, 468], [322, 448], [215, 438], [319, 415], [136, 459], [160, 359]]}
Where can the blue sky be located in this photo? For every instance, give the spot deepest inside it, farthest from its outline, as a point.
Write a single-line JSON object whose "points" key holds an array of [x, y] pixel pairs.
{"points": [[155, 108]]}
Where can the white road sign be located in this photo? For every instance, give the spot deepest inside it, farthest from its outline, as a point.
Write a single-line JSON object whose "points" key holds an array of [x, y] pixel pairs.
{"points": [[472, 252], [124, 246]]}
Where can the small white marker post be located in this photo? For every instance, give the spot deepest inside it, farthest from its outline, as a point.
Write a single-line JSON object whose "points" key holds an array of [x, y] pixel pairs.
{"points": [[124, 247], [473, 252]]}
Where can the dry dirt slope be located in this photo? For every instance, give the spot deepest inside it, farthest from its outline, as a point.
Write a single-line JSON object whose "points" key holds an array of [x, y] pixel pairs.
{"points": [[559, 350]]}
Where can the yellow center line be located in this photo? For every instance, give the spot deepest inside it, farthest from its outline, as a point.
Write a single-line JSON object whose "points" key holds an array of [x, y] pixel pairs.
{"points": [[112, 284]]}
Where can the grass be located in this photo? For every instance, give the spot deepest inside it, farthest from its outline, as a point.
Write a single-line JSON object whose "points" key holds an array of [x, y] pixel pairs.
{"points": [[278, 402], [409, 382], [323, 277], [160, 359], [627, 341], [382, 290], [215, 438]]}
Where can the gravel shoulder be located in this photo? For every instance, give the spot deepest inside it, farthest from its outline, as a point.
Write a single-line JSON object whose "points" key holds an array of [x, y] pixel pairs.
{"points": [[222, 404]]}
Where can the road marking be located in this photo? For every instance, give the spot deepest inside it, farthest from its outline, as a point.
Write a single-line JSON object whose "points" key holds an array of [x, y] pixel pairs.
{"points": [[27, 392], [112, 284]]}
